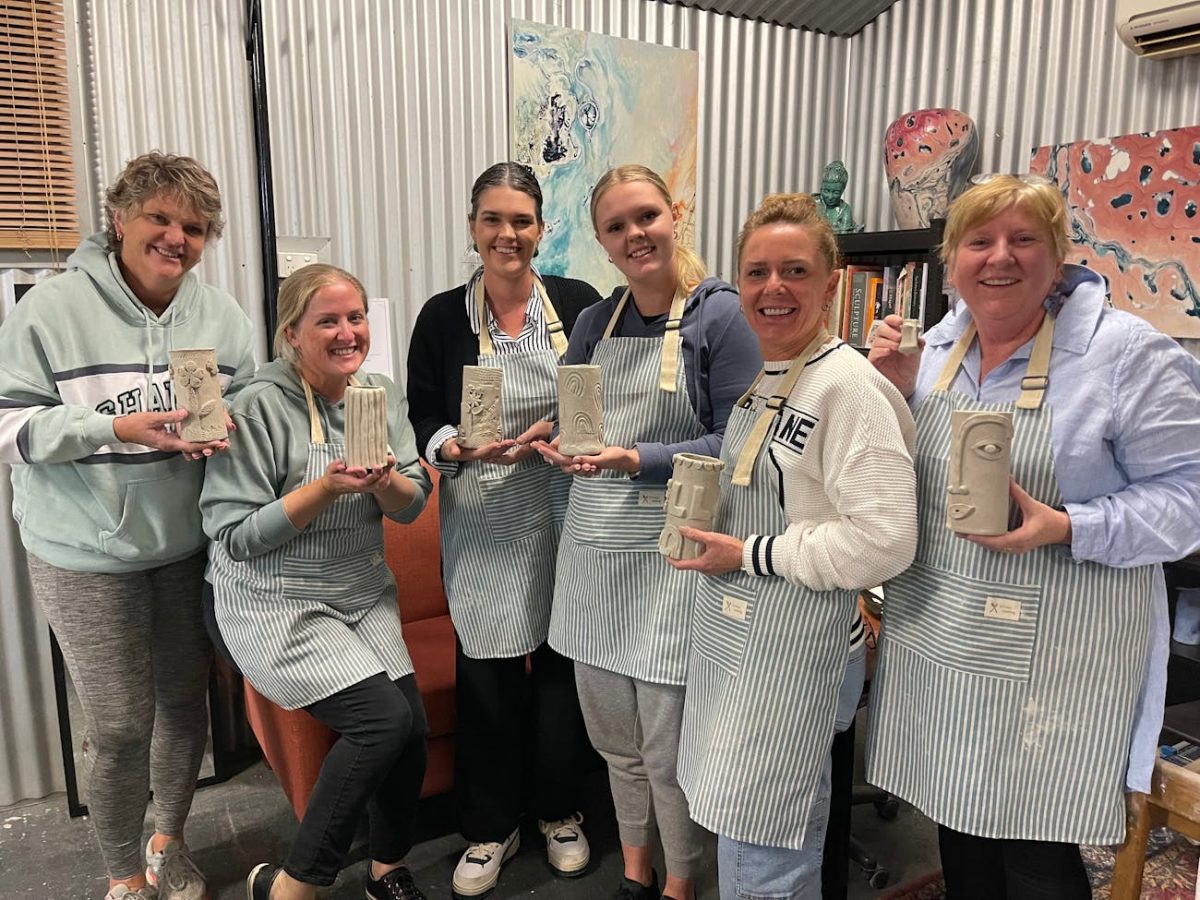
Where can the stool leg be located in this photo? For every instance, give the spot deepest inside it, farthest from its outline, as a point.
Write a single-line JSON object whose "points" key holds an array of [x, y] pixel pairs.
{"points": [[1131, 858]]}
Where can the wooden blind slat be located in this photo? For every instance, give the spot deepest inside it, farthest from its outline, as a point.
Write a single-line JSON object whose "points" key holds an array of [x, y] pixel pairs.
{"points": [[37, 173]]}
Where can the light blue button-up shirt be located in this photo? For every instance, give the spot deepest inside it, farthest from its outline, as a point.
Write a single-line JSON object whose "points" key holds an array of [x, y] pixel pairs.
{"points": [[1125, 428]]}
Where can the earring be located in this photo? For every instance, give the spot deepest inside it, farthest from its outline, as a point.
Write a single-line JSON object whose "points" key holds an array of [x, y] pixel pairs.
{"points": [[120, 237], [610, 259], [474, 246], [827, 307]]}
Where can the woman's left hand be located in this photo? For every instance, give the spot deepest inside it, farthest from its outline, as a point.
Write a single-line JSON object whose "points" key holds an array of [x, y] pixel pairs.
{"points": [[214, 446], [722, 553], [374, 480], [617, 458], [524, 446], [1040, 525]]}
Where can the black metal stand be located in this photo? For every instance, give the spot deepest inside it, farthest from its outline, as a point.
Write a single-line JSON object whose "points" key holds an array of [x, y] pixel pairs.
{"points": [[262, 147]]}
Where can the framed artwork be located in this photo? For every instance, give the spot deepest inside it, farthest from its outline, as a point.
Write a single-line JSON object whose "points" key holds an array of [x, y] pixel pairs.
{"points": [[582, 103], [1134, 217]]}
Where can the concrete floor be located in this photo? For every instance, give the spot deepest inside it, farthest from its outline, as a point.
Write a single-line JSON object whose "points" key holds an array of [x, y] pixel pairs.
{"points": [[45, 854]]}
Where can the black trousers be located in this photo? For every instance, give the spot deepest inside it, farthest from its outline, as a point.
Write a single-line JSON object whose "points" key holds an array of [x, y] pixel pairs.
{"points": [[377, 765], [978, 868], [515, 728]]}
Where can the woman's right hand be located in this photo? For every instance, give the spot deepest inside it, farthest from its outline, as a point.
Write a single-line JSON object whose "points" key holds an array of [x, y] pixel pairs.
{"points": [[339, 479], [549, 452], [898, 368], [150, 429], [450, 451]]}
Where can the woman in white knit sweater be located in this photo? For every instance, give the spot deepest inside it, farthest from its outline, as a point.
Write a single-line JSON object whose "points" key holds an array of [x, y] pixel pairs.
{"points": [[817, 502]]}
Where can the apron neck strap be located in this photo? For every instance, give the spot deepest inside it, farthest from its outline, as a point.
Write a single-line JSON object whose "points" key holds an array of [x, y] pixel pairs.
{"points": [[316, 433], [554, 325], [668, 369], [750, 450], [1037, 373]]}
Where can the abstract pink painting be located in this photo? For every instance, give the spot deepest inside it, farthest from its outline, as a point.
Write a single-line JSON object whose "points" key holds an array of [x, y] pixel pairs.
{"points": [[1134, 217]]}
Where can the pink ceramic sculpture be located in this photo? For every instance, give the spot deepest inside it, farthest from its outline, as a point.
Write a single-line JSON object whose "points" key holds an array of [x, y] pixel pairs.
{"points": [[929, 155]]}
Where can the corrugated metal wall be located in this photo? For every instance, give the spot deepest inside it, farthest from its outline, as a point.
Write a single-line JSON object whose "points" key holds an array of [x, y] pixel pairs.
{"points": [[1029, 72], [382, 114]]}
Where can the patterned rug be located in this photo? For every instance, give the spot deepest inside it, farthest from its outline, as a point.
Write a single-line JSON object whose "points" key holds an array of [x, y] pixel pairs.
{"points": [[1170, 872]]}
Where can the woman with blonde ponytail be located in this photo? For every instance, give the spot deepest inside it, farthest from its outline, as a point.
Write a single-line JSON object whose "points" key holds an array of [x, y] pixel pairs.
{"points": [[675, 354]]}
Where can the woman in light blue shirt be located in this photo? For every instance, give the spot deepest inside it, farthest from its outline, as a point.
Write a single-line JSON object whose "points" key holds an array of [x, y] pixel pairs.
{"points": [[1022, 677]]}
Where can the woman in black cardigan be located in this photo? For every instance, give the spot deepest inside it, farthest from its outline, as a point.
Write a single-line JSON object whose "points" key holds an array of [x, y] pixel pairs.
{"points": [[501, 513]]}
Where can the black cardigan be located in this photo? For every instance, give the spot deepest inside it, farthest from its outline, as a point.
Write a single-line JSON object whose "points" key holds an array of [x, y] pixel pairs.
{"points": [[442, 343]]}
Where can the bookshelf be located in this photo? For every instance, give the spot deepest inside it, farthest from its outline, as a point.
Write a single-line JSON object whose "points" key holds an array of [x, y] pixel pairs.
{"points": [[894, 248]]}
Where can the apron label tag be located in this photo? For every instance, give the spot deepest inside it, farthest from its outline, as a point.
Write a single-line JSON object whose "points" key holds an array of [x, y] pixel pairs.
{"points": [[652, 499], [733, 608], [1002, 608]]}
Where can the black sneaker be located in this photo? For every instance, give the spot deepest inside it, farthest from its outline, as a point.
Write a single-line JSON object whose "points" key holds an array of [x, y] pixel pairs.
{"points": [[395, 885], [631, 890], [260, 879]]}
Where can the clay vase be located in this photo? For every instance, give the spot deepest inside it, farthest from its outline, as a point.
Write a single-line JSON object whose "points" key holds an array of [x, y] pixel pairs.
{"points": [[198, 390], [977, 478], [692, 497], [580, 410], [366, 427], [910, 329], [929, 155], [479, 424]]}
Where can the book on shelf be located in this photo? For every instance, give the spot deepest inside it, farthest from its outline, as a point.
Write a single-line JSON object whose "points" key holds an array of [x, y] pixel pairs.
{"points": [[855, 323]]}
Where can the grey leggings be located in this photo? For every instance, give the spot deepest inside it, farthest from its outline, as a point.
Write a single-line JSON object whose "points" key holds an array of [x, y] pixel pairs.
{"points": [[139, 657], [635, 726]]}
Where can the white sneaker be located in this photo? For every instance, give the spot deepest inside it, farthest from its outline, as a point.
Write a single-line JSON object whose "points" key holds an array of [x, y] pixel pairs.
{"points": [[174, 873], [479, 869], [566, 846]]}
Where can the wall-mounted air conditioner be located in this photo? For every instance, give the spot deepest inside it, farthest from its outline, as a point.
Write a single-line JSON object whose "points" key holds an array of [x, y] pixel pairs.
{"points": [[1159, 29]]}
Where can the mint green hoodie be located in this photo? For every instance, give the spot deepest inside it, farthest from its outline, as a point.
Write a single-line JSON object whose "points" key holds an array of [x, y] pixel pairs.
{"points": [[78, 351]]}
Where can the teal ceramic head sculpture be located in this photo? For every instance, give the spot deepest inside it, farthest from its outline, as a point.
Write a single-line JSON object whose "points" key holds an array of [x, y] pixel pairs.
{"points": [[829, 201]]}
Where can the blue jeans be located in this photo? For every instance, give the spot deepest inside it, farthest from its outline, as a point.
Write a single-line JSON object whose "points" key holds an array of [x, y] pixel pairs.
{"points": [[753, 872]]}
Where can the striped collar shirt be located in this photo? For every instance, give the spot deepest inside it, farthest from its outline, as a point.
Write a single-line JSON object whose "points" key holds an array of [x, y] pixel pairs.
{"points": [[534, 334]]}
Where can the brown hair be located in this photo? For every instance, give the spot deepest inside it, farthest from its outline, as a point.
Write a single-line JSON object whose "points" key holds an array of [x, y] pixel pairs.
{"points": [[792, 209], [689, 267], [157, 174], [295, 293], [511, 175], [1041, 199]]}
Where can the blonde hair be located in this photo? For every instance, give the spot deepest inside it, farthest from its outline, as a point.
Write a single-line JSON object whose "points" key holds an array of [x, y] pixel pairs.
{"points": [[297, 291], [689, 267], [983, 202], [157, 174], [792, 209]]}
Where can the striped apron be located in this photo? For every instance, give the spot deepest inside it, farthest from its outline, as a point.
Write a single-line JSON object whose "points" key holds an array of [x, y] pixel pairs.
{"points": [[1003, 701], [617, 604], [318, 614], [767, 661], [500, 524]]}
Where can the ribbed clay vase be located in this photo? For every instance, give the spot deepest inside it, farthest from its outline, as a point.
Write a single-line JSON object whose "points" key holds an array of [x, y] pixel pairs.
{"points": [[366, 427], [929, 155]]}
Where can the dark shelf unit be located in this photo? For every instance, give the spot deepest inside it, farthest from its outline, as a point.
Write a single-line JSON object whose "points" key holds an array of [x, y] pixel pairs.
{"points": [[893, 248]]}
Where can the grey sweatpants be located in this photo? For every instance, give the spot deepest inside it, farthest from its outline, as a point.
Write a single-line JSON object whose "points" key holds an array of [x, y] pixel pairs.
{"points": [[635, 726], [139, 657]]}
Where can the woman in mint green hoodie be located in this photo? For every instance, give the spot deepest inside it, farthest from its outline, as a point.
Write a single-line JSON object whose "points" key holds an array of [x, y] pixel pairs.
{"points": [[106, 495]]}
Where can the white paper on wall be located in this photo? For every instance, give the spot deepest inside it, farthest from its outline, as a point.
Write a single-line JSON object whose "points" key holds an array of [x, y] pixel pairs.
{"points": [[379, 358]]}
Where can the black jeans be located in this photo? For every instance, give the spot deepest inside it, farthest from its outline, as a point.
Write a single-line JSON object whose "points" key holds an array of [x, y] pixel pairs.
{"points": [[507, 721], [978, 868], [377, 765]]}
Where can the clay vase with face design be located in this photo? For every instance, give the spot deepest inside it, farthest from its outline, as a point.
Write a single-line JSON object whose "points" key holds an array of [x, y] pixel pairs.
{"points": [[693, 494], [929, 155], [580, 410], [366, 427], [198, 390], [977, 478], [479, 422]]}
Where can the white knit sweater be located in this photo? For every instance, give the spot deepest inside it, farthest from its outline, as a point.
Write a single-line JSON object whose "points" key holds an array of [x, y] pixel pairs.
{"points": [[843, 446]]}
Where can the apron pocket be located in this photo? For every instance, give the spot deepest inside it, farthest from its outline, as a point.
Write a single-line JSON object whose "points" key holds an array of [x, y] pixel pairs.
{"points": [[516, 502], [347, 584], [721, 622], [971, 626], [614, 515]]}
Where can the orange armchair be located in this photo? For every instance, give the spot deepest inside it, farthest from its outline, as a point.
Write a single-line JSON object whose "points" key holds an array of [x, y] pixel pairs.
{"points": [[295, 744]]}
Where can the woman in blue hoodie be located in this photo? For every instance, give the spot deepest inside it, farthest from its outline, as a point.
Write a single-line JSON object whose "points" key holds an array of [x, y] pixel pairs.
{"points": [[106, 495]]}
